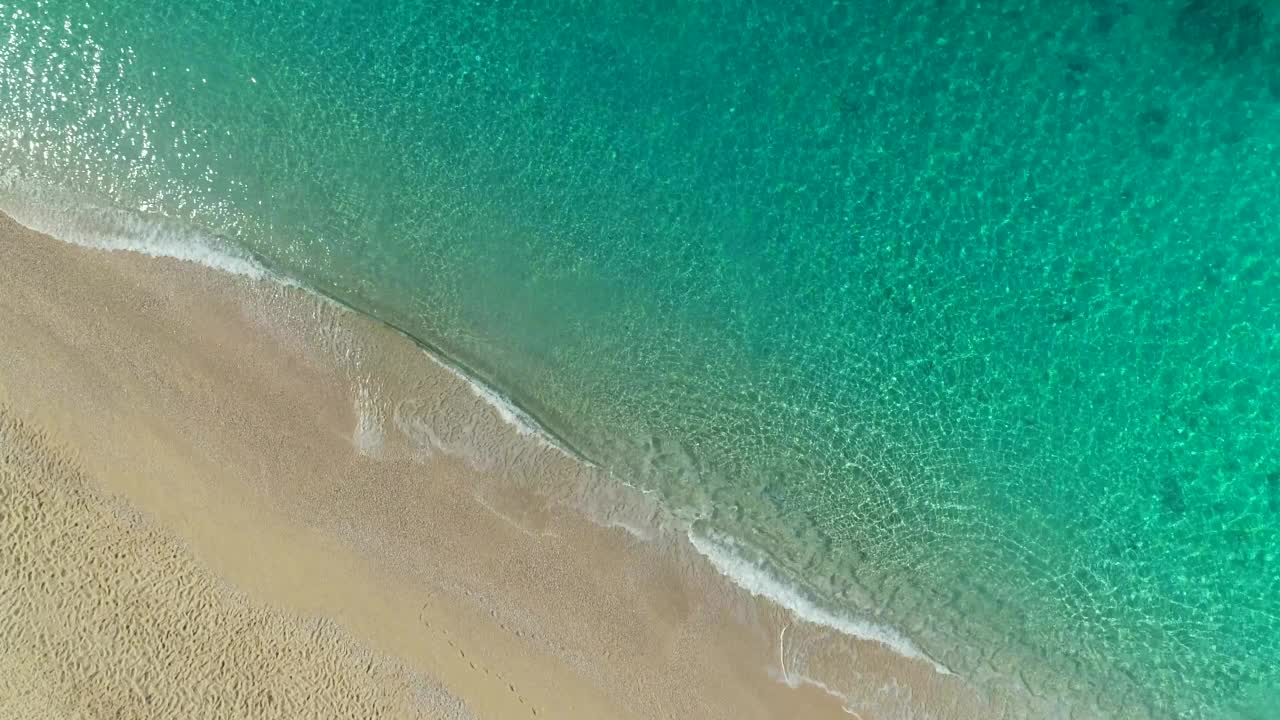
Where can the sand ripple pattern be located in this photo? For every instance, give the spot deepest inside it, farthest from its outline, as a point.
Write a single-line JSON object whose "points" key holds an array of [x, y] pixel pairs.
{"points": [[105, 617]]}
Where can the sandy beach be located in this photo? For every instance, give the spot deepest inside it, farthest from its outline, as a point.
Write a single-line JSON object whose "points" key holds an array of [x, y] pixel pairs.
{"points": [[226, 497]]}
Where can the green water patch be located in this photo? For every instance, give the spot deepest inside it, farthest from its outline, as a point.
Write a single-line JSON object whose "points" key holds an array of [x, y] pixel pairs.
{"points": [[964, 314]]}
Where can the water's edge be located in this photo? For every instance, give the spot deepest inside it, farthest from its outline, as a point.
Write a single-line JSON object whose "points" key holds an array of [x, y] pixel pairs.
{"points": [[109, 229]]}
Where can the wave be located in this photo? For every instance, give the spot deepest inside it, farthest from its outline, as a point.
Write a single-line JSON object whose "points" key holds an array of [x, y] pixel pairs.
{"points": [[99, 227], [512, 415], [85, 224], [114, 229], [725, 555]]}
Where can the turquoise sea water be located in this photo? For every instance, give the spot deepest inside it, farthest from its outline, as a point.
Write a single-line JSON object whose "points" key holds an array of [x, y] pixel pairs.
{"points": [[964, 317]]}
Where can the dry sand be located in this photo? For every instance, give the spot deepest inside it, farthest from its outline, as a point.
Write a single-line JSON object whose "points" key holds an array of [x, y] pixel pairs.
{"points": [[106, 617], [223, 497]]}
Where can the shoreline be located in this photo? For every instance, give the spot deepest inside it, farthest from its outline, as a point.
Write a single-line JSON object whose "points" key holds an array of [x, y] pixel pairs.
{"points": [[113, 230], [325, 434], [108, 229]]}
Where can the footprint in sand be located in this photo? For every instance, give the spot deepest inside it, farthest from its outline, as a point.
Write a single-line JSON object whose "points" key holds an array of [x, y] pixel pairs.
{"points": [[462, 654]]}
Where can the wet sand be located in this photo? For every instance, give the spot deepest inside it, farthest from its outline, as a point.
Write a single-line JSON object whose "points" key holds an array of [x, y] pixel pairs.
{"points": [[225, 497]]}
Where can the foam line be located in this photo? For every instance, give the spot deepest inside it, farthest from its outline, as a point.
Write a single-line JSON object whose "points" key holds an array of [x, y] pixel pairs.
{"points": [[111, 229], [523, 423], [761, 582]]}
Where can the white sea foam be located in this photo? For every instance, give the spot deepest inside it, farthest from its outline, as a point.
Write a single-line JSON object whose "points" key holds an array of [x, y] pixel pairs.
{"points": [[79, 223], [509, 413], [799, 680], [761, 582], [523, 423], [118, 230], [113, 229], [369, 434]]}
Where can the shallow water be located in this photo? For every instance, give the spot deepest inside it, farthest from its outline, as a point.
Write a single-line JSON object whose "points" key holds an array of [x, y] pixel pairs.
{"points": [[963, 317]]}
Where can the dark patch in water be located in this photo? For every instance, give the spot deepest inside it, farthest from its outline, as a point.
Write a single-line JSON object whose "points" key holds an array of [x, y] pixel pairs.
{"points": [[1079, 65], [1154, 118], [1228, 31], [1108, 14], [1104, 23], [898, 301], [1234, 136], [1171, 495]]}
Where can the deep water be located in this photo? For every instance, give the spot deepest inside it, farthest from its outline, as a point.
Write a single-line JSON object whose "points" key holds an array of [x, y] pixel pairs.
{"points": [[966, 316]]}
